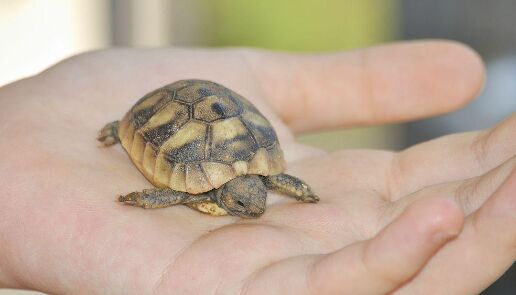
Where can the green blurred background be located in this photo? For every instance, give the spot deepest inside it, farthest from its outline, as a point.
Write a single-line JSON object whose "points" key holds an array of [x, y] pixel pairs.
{"points": [[303, 25], [38, 33]]}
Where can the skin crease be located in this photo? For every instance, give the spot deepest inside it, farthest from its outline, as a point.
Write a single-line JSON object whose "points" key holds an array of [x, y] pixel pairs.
{"points": [[441, 211]]}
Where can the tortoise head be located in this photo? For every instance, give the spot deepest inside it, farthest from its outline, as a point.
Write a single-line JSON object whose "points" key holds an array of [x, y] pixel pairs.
{"points": [[243, 196]]}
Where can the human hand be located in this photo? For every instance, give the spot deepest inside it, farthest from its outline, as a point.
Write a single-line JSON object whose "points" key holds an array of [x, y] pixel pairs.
{"points": [[436, 218]]}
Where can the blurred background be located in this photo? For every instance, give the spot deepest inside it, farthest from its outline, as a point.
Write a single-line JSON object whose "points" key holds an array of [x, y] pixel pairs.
{"points": [[38, 33]]}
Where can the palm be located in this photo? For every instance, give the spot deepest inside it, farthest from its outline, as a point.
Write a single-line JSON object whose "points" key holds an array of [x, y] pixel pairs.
{"points": [[71, 211]]}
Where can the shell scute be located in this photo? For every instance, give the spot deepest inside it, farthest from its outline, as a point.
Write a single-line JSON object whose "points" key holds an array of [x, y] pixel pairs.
{"points": [[195, 135], [231, 141], [187, 144], [164, 124], [196, 180], [260, 128], [214, 108], [197, 90]]}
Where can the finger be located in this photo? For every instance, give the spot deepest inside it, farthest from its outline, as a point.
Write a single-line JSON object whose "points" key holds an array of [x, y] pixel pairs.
{"points": [[121, 76], [481, 253], [375, 266], [383, 84], [469, 194], [388, 83], [451, 158]]}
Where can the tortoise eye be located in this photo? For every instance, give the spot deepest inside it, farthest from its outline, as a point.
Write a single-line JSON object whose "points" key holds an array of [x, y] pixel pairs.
{"points": [[240, 203]]}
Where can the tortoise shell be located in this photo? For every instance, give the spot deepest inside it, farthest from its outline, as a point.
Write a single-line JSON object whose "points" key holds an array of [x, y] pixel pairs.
{"points": [[195, 135]]}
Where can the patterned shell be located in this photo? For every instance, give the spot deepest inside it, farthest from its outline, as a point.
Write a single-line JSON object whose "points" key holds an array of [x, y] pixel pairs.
{"points": [[194, 136]]}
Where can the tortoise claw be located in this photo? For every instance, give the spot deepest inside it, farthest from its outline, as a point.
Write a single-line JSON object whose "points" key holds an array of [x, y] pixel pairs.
{"points": [[309, 198], [130, 199]]}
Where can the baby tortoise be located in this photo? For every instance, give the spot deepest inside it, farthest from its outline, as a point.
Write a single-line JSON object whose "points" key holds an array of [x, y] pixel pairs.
{"points": [[204, 146]]}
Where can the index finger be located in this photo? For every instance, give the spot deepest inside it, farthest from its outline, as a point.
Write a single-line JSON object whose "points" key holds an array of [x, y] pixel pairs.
{"points": [[384, 84]]}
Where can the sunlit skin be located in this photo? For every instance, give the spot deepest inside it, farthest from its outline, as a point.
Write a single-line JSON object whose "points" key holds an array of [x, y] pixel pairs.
{"points": [[437, 218]]}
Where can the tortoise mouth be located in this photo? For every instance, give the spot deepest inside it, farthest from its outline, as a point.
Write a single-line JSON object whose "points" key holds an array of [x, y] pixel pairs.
{"points": [[247, 214], [256, 212], [250, 211]]}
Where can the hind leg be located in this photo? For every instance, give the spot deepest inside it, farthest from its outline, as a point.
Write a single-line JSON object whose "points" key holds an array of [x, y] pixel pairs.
{"points": [[109, 134]]}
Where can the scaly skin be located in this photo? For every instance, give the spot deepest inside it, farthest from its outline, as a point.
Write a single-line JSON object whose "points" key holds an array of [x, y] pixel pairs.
{"points": [[291, 186]]}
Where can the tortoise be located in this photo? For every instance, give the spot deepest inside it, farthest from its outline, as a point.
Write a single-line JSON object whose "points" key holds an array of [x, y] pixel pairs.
{"points": [[205, 146]]}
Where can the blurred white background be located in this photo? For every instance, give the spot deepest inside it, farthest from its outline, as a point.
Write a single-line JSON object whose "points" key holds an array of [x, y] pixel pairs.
{"points": [[37, 34]]}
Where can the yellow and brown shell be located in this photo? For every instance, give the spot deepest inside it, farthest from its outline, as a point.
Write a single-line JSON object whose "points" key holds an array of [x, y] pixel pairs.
{"points": [[195, 135]]}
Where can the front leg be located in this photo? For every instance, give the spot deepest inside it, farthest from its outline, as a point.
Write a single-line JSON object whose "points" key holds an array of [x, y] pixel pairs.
{"points": [[162, 197], [291, 186]]}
